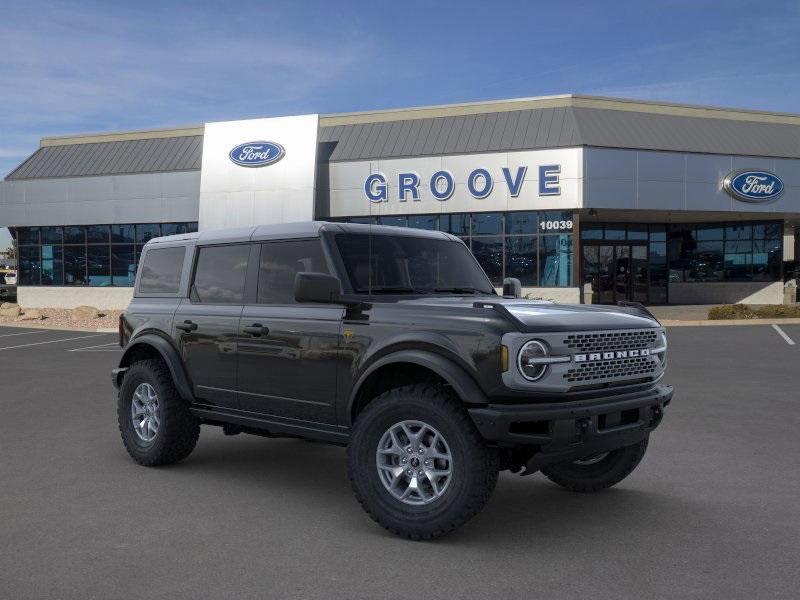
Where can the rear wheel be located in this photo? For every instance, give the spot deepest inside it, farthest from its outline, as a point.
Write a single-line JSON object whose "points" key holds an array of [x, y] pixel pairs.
{"points": [[417, 464], [598, 472], [156, 425]]}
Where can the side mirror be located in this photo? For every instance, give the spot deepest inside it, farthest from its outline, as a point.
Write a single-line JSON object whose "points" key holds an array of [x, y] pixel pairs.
{"points": [[317, 287], [512, 287]]}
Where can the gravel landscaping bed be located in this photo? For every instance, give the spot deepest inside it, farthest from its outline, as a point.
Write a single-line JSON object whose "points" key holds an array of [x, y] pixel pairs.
{"points": [[62, 318]]}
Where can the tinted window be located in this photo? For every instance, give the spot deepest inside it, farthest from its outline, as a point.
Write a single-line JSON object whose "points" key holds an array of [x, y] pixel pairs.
{"points": [[405, 264], [281, 262], [219, 277], [161, 271]]}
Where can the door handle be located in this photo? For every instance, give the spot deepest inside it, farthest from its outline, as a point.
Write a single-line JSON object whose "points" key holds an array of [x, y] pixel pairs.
{"points": [[256, 329], [186, 326]]}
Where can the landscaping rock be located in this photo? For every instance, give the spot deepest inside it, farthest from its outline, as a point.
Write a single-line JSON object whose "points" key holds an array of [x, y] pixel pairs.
{"points": [[8, 305], [13, 311], [31, 315], [82, 313]]}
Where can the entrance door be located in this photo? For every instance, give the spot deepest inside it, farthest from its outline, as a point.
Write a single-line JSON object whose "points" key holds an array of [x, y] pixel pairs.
{"points": [[616, 271]]}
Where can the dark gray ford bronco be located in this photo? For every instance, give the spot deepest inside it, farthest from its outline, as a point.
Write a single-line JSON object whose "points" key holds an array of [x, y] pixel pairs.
{"points": [[394, 343]]}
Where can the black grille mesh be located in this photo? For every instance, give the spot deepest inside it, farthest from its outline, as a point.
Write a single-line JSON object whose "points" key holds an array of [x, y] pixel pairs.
{"points": [[617, 368], [612, 340]]}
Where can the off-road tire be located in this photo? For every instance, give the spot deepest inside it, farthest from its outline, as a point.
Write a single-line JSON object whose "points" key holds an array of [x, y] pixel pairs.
{"points": [[475, 466], [595, 477], [178, 430]]}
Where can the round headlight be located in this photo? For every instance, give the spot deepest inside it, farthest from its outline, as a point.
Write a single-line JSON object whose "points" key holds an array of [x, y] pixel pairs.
{"points": [[528, 360]]}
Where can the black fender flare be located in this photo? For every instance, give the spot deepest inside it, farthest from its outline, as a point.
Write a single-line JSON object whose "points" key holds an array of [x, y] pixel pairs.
{"points": [[462, 382], [170, 356]]}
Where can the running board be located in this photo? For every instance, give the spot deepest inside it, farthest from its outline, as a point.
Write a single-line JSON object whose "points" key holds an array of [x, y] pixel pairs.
{"points": [[272, 424]]}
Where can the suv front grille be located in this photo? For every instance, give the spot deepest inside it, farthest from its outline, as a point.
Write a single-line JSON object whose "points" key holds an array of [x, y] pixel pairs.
{"points": [[612, 369], [612, 340]]}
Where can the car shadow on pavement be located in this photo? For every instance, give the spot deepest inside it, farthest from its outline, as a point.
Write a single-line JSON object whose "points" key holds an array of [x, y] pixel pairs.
{"points": [[313, 475]]}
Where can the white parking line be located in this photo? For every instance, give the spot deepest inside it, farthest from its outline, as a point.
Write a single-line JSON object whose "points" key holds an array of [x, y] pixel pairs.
{"points": [[782, 333], [83, 337], [98, 348], [24, 333]]}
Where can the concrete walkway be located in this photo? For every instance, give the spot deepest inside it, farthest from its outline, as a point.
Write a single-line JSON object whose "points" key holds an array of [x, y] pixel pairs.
{"points": [[697, 315]]}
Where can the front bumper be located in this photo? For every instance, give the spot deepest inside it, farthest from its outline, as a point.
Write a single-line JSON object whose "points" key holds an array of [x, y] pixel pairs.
{"points": [[558, 432]]}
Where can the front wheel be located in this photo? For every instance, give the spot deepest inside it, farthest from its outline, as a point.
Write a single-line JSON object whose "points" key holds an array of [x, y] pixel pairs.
{"points": [[595, 473], [417, 464]]}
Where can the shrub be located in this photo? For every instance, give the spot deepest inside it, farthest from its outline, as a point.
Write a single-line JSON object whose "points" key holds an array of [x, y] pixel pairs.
{"points": [[771, 311], [745, 311], [731, 311]]}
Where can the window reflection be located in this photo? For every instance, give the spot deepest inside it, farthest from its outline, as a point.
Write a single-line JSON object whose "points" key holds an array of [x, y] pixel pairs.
{"points": [[93, 255]]}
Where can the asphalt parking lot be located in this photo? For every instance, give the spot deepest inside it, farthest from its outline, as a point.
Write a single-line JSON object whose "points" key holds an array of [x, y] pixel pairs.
{"points": [[712, 512]]}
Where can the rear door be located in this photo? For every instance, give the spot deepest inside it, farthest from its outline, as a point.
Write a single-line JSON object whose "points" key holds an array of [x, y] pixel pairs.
{"points": [[288, 352], [207, 323]]}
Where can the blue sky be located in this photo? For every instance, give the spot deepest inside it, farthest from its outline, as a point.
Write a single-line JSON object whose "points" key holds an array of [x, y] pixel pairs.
{"points": [[74, 67]]}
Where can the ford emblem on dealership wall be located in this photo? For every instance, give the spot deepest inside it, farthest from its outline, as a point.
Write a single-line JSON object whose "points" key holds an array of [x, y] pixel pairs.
{"points": [[257, 154], [753, 186]]}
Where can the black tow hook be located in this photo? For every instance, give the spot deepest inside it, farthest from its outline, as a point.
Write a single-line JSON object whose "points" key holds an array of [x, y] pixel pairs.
{"points": [[657, 415]]}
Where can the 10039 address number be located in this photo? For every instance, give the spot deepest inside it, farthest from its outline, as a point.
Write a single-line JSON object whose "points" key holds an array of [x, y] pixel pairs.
{"points": [[556, 225]]}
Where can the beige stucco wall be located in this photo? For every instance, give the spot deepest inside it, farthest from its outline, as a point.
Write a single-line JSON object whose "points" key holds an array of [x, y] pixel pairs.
{"points": [[728, 292], [111, 298]]}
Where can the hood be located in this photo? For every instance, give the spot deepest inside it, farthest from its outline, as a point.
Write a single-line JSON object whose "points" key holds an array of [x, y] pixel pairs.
{"points": [[538, 316]]}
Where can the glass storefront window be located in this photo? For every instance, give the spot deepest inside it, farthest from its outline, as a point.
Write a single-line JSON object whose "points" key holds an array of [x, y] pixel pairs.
{"points": [[75, 265], [94, 255], [122, 234], [52, 265], [555, 260], [487, 224], [615, 231], [123, 265], [27, 235], [591, 231], [489, 252], [658, 233], [637, 232], [457, 224], [395, 221], [52, 235], [146, 232], [521, 259], [74, 235], [98, 259], [522, 223], [507, 244], [29, 264], [429, 222], [740, 251], [97, 234], [739, 231]]}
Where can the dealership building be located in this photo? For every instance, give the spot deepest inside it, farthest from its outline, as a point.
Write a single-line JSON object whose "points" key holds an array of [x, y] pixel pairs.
{"points": [[584, 199]]}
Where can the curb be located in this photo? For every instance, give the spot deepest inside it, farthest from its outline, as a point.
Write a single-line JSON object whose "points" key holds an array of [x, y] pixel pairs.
{"points": [[43, 325], [729, 322]]}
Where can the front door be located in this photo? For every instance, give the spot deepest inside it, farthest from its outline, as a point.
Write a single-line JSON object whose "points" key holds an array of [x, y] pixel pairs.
{"points": [[207, 323], [616, 271], [289, 352]]}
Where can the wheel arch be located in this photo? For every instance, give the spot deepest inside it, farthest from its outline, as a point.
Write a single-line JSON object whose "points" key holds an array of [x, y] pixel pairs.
{"points": [[151, 345], [414, 366]]}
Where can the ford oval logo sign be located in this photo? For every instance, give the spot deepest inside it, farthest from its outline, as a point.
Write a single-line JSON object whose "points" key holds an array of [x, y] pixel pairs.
{"points": [[257, 154], [753, 186]]}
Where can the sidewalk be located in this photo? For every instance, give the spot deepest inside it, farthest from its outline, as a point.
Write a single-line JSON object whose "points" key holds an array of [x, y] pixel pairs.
{"points": [[697, 315]]}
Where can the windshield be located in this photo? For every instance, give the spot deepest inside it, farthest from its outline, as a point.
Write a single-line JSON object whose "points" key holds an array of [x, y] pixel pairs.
{"points": [[410, 265]]}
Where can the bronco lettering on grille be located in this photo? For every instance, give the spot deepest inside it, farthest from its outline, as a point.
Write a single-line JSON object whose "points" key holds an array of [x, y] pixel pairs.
{"points": [[594, 356]]}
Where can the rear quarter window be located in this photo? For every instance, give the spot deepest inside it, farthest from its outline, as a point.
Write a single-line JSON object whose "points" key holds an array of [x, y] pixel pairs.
{"points": [[161, 270]]}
